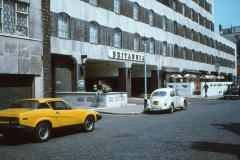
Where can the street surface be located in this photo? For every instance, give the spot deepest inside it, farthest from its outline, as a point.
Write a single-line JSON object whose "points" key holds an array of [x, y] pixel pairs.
{"points": [[206, 130]]}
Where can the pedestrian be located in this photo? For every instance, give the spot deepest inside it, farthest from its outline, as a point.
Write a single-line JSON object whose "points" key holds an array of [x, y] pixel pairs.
{"points": [[99, 91], [206, 89], [164, 84]]}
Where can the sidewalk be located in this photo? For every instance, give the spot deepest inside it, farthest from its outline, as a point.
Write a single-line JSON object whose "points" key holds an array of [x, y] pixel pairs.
{"points": [[135, 106]]}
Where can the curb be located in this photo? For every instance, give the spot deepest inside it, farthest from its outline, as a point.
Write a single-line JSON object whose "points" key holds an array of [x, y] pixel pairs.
{"points": [[114, 113]]}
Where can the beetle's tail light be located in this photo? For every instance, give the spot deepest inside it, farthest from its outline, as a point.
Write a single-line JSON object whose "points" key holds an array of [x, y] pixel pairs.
{"points": [[14, 121]]}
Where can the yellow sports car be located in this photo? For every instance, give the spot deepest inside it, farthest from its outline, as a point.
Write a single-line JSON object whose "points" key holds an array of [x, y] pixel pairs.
{"points": [[40, 116]]}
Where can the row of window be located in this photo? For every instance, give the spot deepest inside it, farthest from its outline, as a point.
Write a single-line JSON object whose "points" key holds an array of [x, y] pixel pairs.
{"points": [[184, 11], [94, 33], [197, 37], [64, 32], [13, 18]]}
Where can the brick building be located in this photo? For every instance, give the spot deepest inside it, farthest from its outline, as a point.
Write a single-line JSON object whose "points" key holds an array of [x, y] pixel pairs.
{"points": [[93, 40]]}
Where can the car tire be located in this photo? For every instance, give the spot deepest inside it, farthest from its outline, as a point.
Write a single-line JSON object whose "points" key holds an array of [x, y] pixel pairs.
{"points": [[42, 132], [184, 106], [88, 125], [225, 97], [171, 108]]}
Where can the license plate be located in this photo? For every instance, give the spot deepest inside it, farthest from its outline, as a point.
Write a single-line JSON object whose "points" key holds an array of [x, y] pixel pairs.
{"points": [[4, 120], [155, 103]]}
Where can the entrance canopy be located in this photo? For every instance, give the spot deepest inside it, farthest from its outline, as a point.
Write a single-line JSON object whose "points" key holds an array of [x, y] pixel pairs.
{"points": [[185, 71]]}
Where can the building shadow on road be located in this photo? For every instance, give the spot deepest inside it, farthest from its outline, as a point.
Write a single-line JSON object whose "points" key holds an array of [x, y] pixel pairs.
{"points": [[233, 149], [225, 148], [232, 127]]}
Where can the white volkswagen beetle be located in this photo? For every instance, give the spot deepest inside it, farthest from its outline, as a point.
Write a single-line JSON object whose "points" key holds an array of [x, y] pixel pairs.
{"points": [[165, 99]]}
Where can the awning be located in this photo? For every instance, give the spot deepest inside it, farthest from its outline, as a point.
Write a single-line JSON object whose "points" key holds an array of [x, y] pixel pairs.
{"points": [[185, 70], [214, 73], [223, 74], [204, 72]]}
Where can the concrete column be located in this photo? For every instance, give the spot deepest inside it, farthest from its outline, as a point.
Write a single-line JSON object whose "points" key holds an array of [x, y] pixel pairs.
{"points": [[124, 81], [154, 80], [46, 58], [160, 81]]}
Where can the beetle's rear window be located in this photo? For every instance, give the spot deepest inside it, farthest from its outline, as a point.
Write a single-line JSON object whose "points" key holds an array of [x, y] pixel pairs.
{"points": [[159, 93]]}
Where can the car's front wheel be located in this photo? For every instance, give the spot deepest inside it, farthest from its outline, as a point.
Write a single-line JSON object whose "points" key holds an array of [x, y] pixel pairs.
{"points": [[42, 132], [171, 108], [89, 123]]}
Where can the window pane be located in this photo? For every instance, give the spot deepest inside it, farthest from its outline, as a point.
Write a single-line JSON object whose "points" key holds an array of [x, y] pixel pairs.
{"points": [[174, 5], [193, 55], [151, 18], [117, 38], [183, 9], [135, 11], [22, 8], [63, 25], [184, 53], [164, 23], [9, 17], [94, 2], [164, 48], [93, 33], [136, 42], [117, 6], [152, 45]]}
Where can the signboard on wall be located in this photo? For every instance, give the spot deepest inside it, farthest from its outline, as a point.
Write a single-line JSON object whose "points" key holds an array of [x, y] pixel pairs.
{"points": [[114, 54]]}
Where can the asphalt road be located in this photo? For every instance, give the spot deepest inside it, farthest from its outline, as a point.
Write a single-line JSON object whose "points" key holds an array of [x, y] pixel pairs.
{"points": [[208, 129]]}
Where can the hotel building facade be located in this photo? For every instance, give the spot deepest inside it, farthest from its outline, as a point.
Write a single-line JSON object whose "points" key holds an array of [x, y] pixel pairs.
{"points": [[84, 41]]}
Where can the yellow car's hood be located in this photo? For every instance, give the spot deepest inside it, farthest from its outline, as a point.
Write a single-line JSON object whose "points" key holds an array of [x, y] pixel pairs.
{"points": [[13, 112]]}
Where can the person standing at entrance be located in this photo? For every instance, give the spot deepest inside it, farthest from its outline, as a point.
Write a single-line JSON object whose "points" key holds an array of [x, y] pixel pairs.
{"points": [[99, 91], [206, 88], [164, 84]]}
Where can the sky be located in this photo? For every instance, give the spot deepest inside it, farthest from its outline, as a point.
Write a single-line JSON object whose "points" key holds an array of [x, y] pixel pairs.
{"points": [[226, 13]]}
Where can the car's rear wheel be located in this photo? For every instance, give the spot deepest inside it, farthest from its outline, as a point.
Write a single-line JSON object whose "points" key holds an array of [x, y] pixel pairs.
{"points": [[171, 109], [225, 97], [42, 132], [89, 123], [184, 106]]}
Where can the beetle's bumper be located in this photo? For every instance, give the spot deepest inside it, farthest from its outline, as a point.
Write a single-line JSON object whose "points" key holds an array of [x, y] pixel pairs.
{"points": [[15, 128], [153, 109]]}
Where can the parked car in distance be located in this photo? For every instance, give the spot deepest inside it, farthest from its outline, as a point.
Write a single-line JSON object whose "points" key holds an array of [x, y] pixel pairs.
{"points": [[40, 116], [165, 99], [233, 90]]}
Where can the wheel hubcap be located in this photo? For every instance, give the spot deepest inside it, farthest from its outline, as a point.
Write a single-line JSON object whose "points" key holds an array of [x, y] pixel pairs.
{"points": [[89, 124], [43, 132]]}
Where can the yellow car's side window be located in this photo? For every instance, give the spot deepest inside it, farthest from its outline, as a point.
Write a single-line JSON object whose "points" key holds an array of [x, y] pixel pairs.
{"points": [[59, 105]]}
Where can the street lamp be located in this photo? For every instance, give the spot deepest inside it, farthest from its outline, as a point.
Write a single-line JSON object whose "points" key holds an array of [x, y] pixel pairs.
{"points": [[145, 77], [82, 81]]}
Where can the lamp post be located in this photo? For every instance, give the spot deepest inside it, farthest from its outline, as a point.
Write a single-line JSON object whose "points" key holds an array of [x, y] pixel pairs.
{"points": [[82, 81], [145, 76]]}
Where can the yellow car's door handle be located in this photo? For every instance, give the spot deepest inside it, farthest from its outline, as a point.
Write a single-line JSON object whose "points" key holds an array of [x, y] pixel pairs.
{"points": [[58, 112]]}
